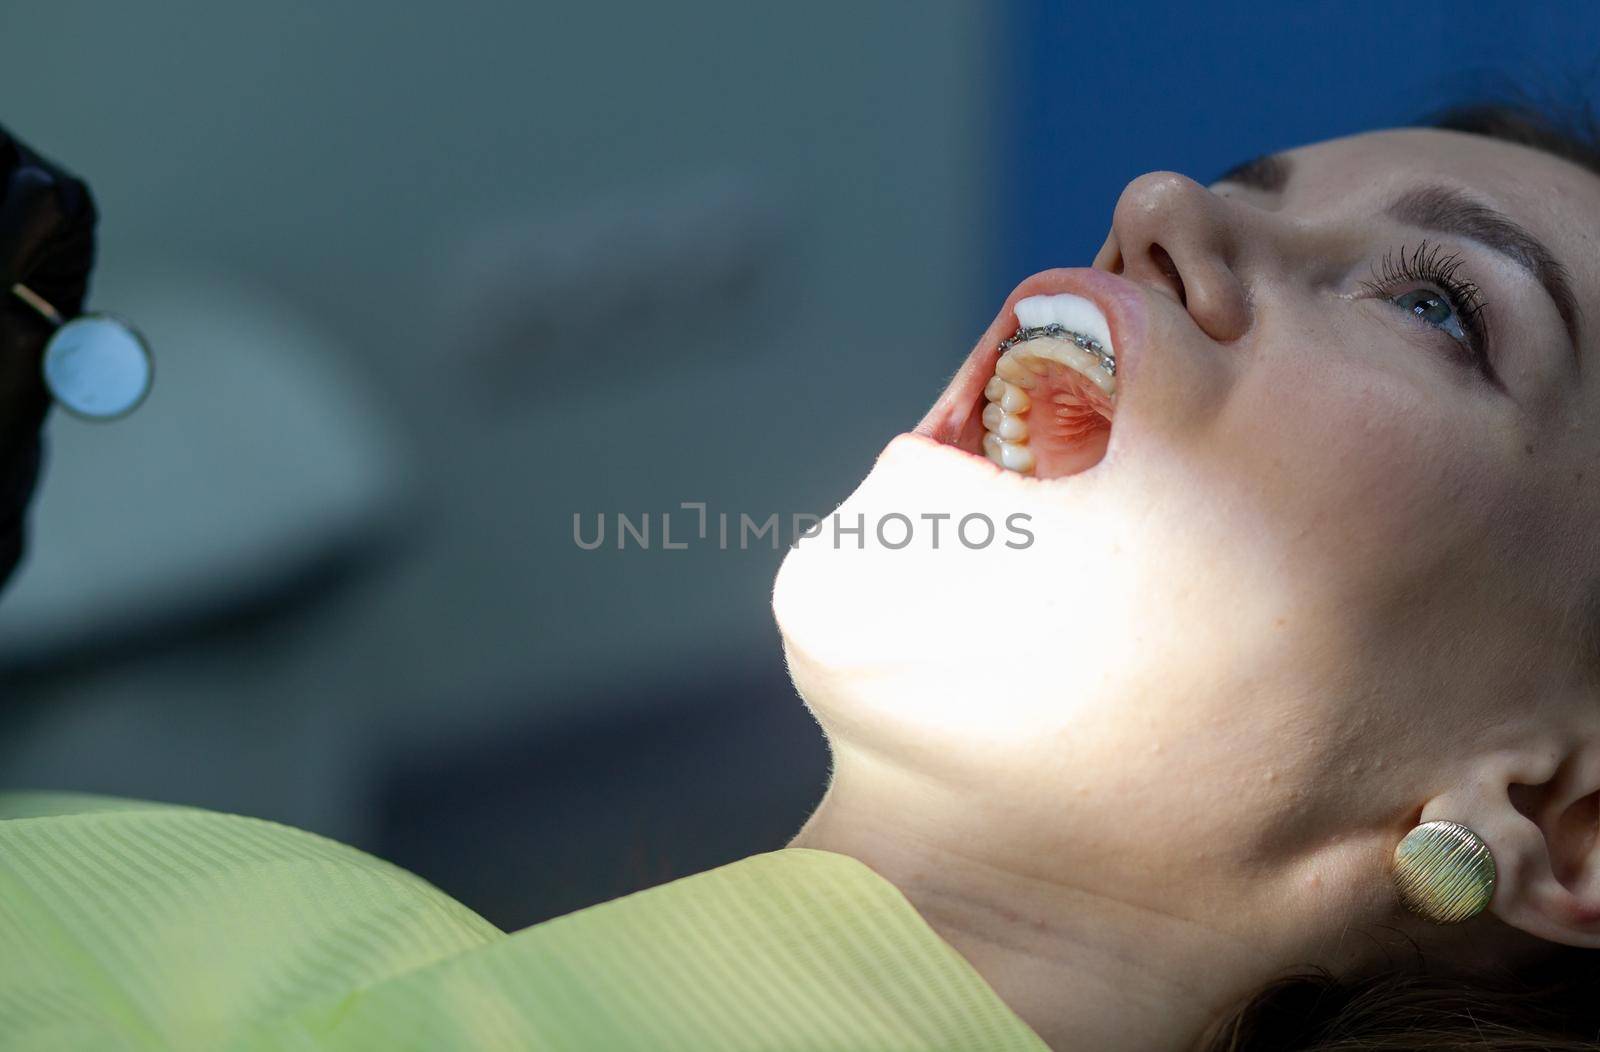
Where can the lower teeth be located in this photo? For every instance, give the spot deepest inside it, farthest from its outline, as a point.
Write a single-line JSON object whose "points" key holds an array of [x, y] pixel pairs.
{"points": [[1024, 358]]}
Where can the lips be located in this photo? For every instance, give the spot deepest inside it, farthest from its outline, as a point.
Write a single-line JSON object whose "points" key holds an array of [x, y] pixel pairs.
{"points": [[955, 418]]}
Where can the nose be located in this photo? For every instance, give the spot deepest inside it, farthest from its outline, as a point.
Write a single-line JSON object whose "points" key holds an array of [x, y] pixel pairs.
{"points": [[1174, 235]]}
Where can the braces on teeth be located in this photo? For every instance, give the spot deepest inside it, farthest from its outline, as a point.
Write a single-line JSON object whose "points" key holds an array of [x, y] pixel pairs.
{"points": [[1108, 361]]}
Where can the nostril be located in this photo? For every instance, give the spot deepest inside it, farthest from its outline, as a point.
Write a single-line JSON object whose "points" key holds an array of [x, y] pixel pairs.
{"points": [[1164, 263]]}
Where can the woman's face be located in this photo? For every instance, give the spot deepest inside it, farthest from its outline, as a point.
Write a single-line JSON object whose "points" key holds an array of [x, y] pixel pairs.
{"points": [[1326, 558]]}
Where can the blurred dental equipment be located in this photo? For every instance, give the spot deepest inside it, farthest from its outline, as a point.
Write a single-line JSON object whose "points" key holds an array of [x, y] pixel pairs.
{"points": [[96, 366]]}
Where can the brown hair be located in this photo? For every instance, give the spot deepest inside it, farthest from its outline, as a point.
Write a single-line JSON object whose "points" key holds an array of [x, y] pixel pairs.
{"points": [[1552, 1007]]}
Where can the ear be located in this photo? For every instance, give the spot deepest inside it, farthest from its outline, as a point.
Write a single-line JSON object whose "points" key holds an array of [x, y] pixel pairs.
{"points": [[1539, 812]]}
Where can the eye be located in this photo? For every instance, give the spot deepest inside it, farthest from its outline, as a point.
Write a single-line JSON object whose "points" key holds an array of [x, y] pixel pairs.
{"points": [[1452, 306], [1436, 309]]}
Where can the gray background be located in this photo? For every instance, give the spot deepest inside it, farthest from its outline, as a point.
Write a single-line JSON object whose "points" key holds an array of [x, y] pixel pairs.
{"points": [[423, 281]]}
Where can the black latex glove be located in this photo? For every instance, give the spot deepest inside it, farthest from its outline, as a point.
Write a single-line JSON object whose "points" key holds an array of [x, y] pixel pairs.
{"points": [[47, 220]]}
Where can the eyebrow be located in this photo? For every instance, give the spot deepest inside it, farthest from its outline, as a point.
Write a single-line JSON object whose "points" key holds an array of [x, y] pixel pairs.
{"points": [[1448, 211]]}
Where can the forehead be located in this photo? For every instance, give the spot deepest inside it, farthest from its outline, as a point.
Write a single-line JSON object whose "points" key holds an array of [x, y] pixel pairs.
{"points": [[1507, 171]]}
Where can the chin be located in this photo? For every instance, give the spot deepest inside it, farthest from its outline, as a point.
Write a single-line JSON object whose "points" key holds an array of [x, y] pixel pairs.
{"points": [[981, 558], [979, 635]]}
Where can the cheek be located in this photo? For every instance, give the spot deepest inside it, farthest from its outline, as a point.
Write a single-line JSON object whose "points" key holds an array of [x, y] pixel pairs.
{"points": [[1367, 473]]}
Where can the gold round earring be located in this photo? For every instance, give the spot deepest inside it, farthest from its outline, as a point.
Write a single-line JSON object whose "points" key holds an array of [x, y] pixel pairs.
{"points": [[1444, 872]]}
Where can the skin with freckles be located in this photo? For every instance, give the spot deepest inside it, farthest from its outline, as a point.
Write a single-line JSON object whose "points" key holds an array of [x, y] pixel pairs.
{"points": [[1331, 581]]}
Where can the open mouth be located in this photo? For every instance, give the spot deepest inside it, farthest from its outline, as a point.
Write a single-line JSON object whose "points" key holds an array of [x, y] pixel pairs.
{"points": [[1041, 402]]}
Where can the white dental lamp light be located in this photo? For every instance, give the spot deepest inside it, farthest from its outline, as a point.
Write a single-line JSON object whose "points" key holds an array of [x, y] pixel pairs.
{"points": [[96, 366]]}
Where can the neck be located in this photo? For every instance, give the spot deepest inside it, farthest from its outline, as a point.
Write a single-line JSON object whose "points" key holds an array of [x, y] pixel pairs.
{"points": [[1085, 967]]}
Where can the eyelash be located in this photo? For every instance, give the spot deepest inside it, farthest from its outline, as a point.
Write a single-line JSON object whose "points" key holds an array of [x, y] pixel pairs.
{"points": [[1427, 266]]}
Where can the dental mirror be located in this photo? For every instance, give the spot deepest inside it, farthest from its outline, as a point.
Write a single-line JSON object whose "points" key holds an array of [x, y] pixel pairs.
{"points": [[96, 366]]}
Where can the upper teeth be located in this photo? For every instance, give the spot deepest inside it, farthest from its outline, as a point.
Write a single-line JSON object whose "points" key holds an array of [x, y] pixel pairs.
{"points": [[1065, 327], [1068, 311]]}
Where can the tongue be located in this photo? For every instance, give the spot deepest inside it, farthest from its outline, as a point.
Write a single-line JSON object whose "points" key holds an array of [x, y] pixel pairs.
{"points": [[1069, 422]]}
